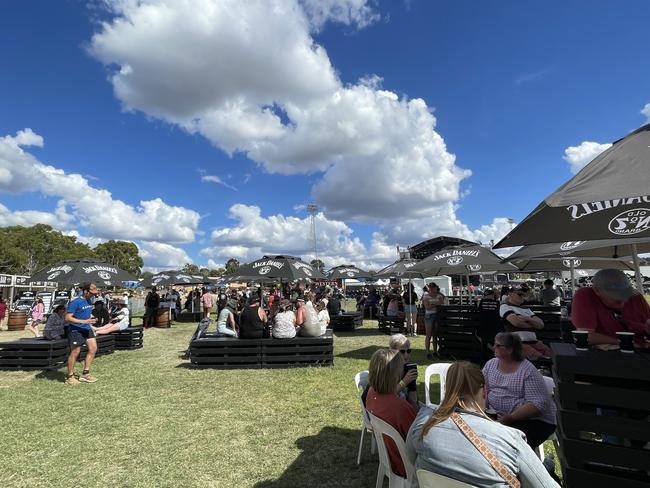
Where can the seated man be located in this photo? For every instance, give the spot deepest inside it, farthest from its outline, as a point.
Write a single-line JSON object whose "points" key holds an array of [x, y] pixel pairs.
{"points": [[119, 322], [517, 318], [611, 305]]}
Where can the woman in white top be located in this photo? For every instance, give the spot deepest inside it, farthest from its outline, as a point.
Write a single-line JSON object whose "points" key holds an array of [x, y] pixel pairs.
{"points": [[119, 322], [226, 318], [323, 316], [310, 327], [285, 322]]}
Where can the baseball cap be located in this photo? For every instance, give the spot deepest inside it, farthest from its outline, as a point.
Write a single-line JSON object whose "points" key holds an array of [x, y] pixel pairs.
{"points": [[613, 283]]}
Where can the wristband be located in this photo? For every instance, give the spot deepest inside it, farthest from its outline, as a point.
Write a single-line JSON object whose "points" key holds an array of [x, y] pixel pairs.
{"points": [[402, 384]]}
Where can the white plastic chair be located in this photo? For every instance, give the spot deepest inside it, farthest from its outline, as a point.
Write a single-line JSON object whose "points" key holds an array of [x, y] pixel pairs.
{"points": [[381, 429], [550, 387], [427, 479], [361, 381], [439, 369]]}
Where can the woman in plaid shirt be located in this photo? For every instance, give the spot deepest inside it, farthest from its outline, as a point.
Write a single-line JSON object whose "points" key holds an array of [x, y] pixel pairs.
{"points": [[516, 390]]}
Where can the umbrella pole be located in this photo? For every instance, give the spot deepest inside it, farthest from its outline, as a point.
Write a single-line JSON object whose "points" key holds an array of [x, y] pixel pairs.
{"points": [[469, 298], [410, 314], [573, 276], [637, 269]]}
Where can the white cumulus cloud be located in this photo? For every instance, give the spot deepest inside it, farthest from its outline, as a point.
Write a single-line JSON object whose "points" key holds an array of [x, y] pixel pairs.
{"points": [[159, 255], [95, 209], [646, 112], [579, 156], [249, 77]]}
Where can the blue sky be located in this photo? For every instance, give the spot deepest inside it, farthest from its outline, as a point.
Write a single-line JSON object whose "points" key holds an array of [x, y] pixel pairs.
{"points": [[511, 84]]}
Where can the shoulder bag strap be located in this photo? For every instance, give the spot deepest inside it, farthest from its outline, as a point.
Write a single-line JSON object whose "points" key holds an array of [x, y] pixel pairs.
{"points": [[498, 466]]}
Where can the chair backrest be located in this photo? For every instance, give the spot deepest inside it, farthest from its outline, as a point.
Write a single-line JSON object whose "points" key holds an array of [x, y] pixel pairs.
{"points": [[361, 381], [381, 429], [439, 369], [427, 479]]}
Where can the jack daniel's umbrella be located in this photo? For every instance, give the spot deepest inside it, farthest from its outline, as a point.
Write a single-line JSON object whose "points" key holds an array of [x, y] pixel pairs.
{"points": [[608, 199], [76, 271], [606, 248], [404, 268], [170, 278], [462, 261], [567, 263], [286, 268], [347, 271]]}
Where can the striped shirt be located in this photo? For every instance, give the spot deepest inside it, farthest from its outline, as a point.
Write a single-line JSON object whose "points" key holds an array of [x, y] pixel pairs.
{"points": [[508, 391]]}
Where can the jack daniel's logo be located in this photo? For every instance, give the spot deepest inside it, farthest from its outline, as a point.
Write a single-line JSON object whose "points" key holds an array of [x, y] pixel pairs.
{"points": [[584, 209]]}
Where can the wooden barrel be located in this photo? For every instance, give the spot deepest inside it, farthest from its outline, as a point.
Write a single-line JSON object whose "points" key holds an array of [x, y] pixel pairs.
{"points": [[17, 321], [162, 318]]}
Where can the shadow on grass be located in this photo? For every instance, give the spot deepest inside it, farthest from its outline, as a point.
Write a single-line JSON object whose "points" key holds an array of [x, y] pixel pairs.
{"points": [[364, 332], [52, 375], [328, 459], [363, 353]]}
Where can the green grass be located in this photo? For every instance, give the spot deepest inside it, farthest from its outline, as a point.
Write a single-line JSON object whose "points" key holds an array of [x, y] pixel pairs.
{"points": [[151, 421]]}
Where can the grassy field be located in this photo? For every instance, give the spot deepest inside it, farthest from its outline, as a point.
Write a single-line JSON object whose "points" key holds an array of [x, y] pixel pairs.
{"points": [[152, 421]]}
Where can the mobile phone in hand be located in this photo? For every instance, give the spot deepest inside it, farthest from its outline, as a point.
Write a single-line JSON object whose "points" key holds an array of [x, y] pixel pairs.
{"points": [[408, 367]]}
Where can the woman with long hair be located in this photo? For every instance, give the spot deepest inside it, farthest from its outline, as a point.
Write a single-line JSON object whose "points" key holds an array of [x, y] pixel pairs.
{"points": [[443, 440], [383, 401], [37, 312], [410, 299]]}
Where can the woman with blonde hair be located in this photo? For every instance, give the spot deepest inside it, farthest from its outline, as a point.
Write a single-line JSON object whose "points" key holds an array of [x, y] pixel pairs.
{"points": [[384, 375], [457, 438]]}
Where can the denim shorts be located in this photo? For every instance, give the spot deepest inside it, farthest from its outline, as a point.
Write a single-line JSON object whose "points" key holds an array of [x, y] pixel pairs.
{"points": [[410, 308], [430, 319]]}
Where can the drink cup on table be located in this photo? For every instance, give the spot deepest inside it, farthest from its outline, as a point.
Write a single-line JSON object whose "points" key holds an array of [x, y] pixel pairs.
{"points": [[580, 338], [626, 341]]}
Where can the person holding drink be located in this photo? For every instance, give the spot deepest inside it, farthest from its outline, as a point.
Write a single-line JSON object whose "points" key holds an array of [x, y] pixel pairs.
{"points": [[79, 316]]}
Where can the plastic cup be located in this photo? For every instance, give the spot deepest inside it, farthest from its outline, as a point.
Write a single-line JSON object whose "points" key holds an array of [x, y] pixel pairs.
{"points": [[580, 338], [626, 341]]}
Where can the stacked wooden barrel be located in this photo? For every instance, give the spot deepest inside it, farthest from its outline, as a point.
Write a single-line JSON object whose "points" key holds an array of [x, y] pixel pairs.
{"points": [[162, 318], [17, 321]]}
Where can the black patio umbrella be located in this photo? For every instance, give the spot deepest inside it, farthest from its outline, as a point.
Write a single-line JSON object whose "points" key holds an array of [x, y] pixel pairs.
{"points": [[77, 271], [404, 268], [608, 199], [605, 248], [571, 263], [347, 271], [286, 268], [463, 260], [170, 278]]}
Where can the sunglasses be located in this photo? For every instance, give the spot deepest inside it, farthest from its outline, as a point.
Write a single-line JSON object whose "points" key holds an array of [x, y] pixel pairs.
{"points": [[405, 351], [499, 345]]}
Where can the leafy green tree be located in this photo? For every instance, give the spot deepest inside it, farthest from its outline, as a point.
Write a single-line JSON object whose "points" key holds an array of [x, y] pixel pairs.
{"points": [[217, 271], [318, 264], [191, 269], [146, 275], [25, 250], [231, 265], [122, 254]]}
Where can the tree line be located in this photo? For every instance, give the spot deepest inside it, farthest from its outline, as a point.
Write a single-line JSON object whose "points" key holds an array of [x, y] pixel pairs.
{"points": [[25, 250]]}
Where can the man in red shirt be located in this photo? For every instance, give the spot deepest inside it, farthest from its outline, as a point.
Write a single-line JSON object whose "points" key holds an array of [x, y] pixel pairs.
{"points": [[611, 305]]}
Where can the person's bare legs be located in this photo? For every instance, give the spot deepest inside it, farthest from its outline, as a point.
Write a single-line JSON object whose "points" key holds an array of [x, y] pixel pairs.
{"points": [[92, 350], [33, 329], [107, 329], [72, 358]]}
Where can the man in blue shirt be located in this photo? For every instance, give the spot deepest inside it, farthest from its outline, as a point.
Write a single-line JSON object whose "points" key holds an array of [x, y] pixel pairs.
{"points": [[79, 316]]}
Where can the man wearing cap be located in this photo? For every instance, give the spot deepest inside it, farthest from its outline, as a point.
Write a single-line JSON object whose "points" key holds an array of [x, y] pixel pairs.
{"points": [[611, 305], [79, 316]]}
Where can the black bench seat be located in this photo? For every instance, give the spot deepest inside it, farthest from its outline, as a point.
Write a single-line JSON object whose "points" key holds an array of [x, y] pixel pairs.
{"points": [[129, 338], [346, 321], [33, 353], [391, 325], [232, 353]]}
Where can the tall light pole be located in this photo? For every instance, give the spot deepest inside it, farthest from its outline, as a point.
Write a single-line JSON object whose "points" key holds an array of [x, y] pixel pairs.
{"points": [[312, 209]]}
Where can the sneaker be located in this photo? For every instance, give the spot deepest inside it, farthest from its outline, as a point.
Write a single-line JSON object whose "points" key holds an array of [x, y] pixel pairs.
{"points": [[87, 378], [72, 380], [415, 334]]}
